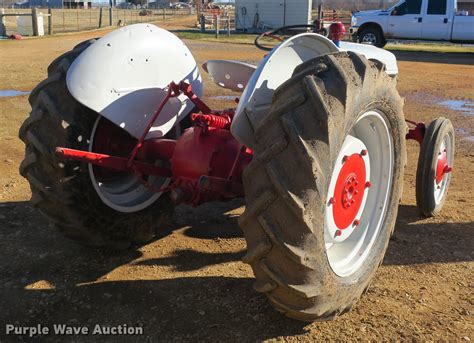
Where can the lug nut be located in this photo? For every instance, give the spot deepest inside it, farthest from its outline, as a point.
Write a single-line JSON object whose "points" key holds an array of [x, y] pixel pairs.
{"points": [[338, 233], [345, 158], [363, 152], [332, 201], [368, 184], [356, 222]]}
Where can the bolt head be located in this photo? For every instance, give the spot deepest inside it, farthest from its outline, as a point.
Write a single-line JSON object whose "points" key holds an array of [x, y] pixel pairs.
{"points": [[345, 158], [338, 233], [368, 184], [363, 152], [356, 222]]}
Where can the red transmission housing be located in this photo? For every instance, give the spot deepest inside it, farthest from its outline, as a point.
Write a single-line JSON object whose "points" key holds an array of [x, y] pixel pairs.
{"points": [[210, 153]]}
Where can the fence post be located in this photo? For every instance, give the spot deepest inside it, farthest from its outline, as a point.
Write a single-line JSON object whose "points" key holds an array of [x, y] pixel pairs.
{"points": [[3, 29], [34, 19], [202, 20], [164, 14], [77, 19], [50, 21], [228, 25], [100, 17], [110, 16], [217, 26]]}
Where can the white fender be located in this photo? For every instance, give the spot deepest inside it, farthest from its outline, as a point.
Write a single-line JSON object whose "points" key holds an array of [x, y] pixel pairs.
{"points": [[123, 76], [278, 66]]}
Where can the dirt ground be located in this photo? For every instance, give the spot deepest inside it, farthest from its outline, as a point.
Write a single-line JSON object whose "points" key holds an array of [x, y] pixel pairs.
{"points": [[189, 283]]}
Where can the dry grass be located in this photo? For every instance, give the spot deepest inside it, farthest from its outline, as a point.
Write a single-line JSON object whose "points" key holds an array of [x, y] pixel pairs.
{"points": [[74, 20]]}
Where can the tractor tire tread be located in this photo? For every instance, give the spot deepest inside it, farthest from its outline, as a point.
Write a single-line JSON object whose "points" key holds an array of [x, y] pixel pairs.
{"points": [[56, 192], [286, 270]]}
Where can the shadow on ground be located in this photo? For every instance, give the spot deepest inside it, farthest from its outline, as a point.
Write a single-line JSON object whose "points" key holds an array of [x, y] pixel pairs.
{"points": [[430, 57], [179, 308]]}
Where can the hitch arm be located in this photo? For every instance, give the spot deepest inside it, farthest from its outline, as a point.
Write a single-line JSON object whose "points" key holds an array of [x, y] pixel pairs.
{"points": [[112, 162]]}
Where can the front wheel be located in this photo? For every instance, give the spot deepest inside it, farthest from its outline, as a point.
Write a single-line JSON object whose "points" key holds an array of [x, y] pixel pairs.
{"points": [[372, 36], [435, 163], [323, 189]]}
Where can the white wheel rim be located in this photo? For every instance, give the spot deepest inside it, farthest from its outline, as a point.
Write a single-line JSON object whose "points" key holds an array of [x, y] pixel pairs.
{"points": [[348, 247], [441, 188], [125, 194], [369, 38]]}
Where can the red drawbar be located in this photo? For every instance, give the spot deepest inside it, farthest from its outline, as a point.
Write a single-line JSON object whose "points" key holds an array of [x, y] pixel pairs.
{"points": [[349, 191], [112, 162]]}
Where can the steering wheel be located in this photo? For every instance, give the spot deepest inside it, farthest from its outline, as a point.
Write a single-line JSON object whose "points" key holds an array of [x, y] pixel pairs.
{"points": [[283, 33]]}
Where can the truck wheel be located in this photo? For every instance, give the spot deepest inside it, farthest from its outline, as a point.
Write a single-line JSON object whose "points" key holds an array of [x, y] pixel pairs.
{"points": [[323, 189], [372, 36], [94, 206], [434, 166]]}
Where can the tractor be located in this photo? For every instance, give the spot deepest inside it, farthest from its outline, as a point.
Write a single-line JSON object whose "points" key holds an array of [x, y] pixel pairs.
{"points": [[119, 135]]}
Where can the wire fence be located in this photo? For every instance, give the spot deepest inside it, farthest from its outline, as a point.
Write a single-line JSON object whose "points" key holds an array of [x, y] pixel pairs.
{"points": [[73, 20]]}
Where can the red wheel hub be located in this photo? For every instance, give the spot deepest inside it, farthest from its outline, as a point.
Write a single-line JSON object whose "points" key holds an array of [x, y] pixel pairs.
{"points": [[349, 191], [442, 168]]}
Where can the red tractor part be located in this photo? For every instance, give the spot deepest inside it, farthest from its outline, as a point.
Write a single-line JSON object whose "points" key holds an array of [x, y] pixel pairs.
{"points": [[417, 133], [111, 162], [442, 167], [207, 162], [349, 191]]}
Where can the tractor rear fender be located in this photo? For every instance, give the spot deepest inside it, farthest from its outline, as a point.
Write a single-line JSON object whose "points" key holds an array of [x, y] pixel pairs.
{"points": [[123, 76], [278, 66]]}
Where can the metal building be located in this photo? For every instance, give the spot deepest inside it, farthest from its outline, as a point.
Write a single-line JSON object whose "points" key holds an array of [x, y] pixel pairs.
{"points": [[259, 15]]}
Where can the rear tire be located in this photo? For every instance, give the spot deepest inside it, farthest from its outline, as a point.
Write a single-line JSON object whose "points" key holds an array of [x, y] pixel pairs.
{"points": [[439, 136], [286, 184], [62, 190]]}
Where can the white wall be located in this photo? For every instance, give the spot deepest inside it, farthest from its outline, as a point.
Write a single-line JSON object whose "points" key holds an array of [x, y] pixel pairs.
{"points": [[271, 12]]}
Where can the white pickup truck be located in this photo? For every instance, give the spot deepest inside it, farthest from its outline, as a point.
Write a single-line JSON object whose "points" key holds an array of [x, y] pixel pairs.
{"points": [[414, 19]]}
